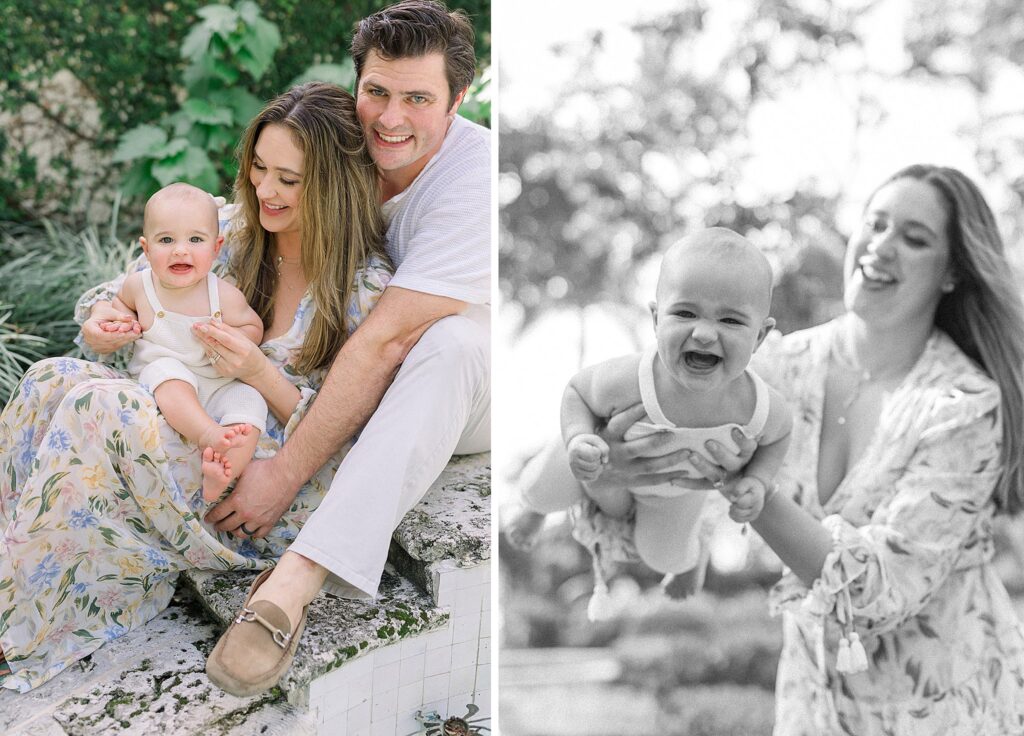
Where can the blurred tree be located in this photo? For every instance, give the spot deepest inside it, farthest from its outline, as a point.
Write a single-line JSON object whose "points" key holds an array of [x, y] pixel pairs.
{"points": [[592, 189]]}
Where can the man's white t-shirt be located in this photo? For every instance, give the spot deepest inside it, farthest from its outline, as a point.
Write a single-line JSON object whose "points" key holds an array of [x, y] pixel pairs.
{"points": [[439, 227]]}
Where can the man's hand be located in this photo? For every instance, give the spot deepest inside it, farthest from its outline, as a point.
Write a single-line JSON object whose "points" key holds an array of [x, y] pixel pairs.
{"points": [[108, 330], [259, 500]]}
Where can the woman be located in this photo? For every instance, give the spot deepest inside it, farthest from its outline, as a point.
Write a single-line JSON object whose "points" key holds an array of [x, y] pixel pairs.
{"points": [[100, 498], [907, 440]]}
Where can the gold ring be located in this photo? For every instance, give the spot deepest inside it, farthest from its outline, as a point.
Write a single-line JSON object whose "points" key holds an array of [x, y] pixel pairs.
{"points": [[214, 358]]}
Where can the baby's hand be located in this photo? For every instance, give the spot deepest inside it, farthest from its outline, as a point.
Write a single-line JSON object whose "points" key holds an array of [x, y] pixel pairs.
{"points": [[747, 499], [126, 325], [587, 455]]}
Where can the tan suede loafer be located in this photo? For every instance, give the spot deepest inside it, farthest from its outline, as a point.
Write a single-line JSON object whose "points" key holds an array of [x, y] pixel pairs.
{"points": [[257, 649]]}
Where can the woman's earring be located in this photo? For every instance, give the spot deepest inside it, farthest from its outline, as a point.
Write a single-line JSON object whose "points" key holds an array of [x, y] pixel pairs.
{"points": [[948, 287]]}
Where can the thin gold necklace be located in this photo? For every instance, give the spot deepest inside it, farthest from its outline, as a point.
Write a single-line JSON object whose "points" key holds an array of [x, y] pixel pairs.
{"points": [[290, 262], [864, 376]]}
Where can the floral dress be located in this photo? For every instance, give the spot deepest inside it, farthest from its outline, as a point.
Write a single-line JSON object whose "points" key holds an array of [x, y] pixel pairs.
{"points": [[910, 572], [101, 501]]}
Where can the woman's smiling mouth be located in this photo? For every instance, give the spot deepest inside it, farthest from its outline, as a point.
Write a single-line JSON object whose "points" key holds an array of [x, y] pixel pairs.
{"points": [[273, 209], [874, 274]]}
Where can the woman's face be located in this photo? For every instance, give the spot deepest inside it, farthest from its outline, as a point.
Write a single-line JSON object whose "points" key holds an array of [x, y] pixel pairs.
{"points": [[898, 263], [276, 174]]}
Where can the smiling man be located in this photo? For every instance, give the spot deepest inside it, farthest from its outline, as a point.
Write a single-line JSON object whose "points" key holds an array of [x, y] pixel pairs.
{"points": [[416, 373]]}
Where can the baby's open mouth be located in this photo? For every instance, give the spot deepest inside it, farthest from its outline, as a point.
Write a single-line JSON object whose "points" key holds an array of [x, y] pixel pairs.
{"points": [[700, 361]]}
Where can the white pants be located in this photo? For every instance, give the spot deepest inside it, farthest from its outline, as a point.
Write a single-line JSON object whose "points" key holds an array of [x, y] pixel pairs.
{"points": [[439, 405]]}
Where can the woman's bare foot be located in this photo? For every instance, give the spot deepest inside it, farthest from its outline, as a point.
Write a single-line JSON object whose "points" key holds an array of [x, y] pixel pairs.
{"points": [[522, 527], [216, 474]]}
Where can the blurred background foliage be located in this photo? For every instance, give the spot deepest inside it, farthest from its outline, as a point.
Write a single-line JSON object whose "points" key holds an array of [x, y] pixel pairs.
{"points": [[722, 118], [611, 174], [103, 103]]}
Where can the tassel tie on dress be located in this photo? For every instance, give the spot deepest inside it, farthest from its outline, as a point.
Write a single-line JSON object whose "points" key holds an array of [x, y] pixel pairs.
{"points": [[851, 657]]}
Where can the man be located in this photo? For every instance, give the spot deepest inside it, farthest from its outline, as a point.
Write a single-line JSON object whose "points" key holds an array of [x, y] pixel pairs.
{"points": [[419, 364]]}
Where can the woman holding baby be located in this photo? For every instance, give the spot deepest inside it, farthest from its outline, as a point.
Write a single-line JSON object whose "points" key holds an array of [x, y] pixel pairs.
{"points": [[100, 499], [907, 439]]}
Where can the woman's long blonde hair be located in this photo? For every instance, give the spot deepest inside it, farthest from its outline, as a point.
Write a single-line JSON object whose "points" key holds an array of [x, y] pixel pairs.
{"points": [[983, 314], [342, 225]]}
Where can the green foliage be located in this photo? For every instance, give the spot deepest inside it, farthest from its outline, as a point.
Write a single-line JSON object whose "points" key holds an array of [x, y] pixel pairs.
{"points": [[18, 350], [229, 49], [476, 106], [127, 62], [43, 271]]}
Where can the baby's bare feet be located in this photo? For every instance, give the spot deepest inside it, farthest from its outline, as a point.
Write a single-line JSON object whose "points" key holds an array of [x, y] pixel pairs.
{"points": [[216, 474], [522, 527], [222, 439]]}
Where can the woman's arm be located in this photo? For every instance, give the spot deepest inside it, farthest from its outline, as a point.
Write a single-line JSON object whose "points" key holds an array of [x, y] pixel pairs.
{"points": [[800, 541], [891, 566]]}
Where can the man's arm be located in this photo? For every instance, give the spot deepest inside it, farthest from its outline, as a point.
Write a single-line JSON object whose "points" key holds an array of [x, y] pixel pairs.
{"points": [[360, 375], [362, 371]]}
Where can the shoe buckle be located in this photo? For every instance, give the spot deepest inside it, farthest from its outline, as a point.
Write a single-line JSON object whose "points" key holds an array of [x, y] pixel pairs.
{"points": [[281, 638], [245, 615]]}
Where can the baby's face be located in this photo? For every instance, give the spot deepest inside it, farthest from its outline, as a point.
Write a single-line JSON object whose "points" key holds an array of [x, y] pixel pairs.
{"points": [[181, 242], [709, 319]]}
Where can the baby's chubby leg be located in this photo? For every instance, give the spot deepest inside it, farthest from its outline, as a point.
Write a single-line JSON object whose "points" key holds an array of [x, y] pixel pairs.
{"points": [[666, 531], [179, 403], [545, 485]]}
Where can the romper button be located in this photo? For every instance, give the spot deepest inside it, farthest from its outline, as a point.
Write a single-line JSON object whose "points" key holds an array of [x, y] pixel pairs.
{"points": [[216, 314], [159, 314]]}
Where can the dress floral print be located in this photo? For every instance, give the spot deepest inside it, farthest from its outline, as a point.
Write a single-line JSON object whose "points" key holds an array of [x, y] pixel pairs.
{"points": [[101, 501], [909, 574]]}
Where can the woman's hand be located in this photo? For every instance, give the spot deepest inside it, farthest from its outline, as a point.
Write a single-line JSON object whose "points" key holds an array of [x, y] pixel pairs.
{"points": [[108, 329], [232, 353], [725, 474], [640, 462]]}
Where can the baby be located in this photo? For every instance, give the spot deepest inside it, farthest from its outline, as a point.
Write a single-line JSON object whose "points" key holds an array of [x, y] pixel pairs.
{"points": [[711, 314], [180, 240]]}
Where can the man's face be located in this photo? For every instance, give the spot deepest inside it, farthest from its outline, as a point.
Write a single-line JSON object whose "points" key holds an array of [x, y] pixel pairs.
{"points": [[403, 107]]}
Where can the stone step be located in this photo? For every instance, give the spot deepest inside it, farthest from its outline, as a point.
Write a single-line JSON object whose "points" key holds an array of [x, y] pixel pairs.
{"points": [[337, 630], [362, 667], [150, 681], [423, 645], [449, 530]]}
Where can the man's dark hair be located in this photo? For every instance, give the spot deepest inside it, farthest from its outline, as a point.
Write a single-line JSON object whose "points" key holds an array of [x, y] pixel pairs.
{"points": [[417, 28]]}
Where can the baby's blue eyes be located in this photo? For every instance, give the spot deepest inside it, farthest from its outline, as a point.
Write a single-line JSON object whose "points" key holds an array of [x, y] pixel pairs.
{"points": [[167, 240]]}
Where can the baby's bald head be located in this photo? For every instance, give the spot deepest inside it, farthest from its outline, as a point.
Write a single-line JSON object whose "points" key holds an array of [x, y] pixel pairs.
{"points": [[721, 254], [181, 197]]}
